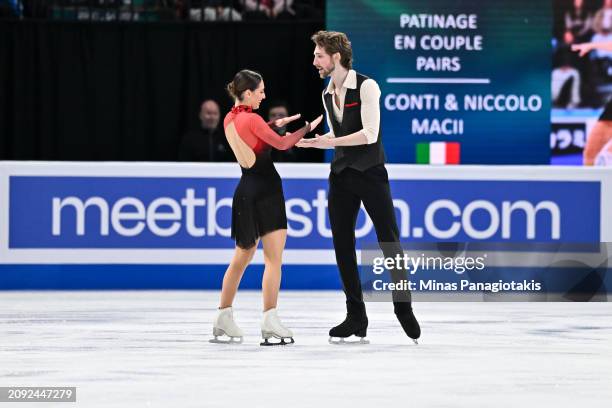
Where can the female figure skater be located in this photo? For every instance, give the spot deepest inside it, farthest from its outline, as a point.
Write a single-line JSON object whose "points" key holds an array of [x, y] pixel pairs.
{"points": [[258, 209]]}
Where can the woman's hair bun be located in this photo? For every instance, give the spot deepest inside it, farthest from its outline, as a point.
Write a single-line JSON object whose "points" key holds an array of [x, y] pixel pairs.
{"points": [[230, 89], [244, 80]]}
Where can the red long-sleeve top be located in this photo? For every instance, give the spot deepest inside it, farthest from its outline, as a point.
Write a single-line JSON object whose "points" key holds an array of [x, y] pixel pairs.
{"points": [[257, 134]]}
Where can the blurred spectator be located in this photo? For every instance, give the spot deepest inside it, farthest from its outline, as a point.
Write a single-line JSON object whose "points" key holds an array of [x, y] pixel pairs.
{"points": [[565, 85], [603, 19], [213, 10], [270, 8], [103, 10], [208, 143], [598, 149], [156, 10], [279, 110], [579, 21]]}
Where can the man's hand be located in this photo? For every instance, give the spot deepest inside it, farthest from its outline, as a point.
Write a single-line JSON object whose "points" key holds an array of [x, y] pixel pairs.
{"points": [[583, 48], [319, 142]]}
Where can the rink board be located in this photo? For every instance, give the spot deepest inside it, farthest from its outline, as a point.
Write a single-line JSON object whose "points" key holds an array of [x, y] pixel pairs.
{"points": [[156, 225]]}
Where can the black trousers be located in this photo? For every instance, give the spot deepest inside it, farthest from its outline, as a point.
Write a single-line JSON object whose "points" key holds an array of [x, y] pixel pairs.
{"points": [[347, 190]]}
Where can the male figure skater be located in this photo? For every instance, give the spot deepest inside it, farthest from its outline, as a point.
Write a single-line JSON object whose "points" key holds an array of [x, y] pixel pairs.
{"points": [[358, 174]]}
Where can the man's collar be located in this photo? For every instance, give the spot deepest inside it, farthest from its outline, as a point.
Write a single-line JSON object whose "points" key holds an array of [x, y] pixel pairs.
{"points": [[350, 82]]}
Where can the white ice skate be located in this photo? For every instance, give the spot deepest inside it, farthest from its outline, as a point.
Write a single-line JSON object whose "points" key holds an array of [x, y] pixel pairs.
{"points": [[226, 326], [271, 327]]}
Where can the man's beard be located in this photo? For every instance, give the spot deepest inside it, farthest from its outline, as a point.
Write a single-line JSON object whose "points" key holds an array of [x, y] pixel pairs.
{"points": [[327, 73]]}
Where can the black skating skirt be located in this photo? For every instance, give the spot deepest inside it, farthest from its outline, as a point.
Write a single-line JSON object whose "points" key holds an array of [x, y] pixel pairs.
{"points": [[258, 205]]}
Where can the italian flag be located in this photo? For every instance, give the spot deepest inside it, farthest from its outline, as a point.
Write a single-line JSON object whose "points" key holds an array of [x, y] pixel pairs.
{"points": [[437, 153]]}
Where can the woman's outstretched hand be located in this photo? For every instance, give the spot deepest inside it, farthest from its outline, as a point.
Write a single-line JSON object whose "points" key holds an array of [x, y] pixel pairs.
{"points": [[311, 126], [315, 123], [284, 121]]}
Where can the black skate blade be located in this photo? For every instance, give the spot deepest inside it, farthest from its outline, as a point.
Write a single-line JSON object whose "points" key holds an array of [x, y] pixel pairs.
{"points": [[282, 342], [348, 340]]}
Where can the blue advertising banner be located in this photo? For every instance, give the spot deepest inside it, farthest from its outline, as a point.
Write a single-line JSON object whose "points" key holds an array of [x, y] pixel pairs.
{"points": [[112, 212], [144, 225]]}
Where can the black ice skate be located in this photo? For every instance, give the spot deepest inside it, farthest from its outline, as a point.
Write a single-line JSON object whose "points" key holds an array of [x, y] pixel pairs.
{"points": [[351, 326], [409, 323]]}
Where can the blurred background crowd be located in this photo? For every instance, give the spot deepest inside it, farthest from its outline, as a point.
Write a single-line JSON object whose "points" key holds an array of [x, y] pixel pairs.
{"points": [[581, 82], [164, 10], [155, 91]]}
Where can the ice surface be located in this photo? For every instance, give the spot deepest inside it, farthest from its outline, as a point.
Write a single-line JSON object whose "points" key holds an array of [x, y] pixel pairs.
{"points": [[150, 349]]}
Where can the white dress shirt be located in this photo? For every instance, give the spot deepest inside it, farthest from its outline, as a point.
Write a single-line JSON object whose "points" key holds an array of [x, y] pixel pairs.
{"points": [[370, 106]]}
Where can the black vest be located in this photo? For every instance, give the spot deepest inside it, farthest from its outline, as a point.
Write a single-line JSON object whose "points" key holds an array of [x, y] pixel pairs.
{"points": [[360, 157]]}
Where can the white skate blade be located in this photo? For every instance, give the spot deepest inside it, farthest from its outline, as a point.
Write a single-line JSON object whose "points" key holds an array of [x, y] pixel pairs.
{"points": [[229, 340], [348, 340]]}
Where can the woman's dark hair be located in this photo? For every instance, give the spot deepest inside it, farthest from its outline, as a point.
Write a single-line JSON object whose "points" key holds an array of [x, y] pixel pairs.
{"points": [[243, 80]]}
